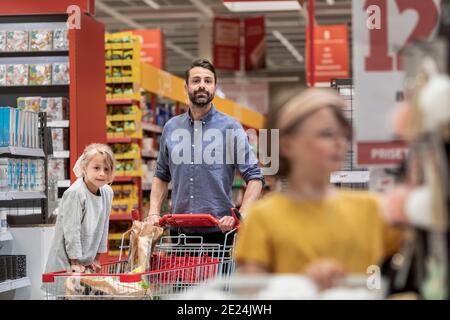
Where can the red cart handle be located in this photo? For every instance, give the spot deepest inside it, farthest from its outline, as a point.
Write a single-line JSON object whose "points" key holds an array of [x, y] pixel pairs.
{"points": [[203, 220]]}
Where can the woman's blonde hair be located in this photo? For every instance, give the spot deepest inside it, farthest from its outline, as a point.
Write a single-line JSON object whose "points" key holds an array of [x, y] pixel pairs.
{"points": [[89, 152]]}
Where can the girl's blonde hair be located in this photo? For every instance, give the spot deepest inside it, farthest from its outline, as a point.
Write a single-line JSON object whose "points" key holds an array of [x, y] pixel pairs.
{"points": [[89, 152]]}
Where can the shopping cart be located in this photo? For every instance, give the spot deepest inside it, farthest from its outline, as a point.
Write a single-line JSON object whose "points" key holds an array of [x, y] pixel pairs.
{"points": [[176, 264]]}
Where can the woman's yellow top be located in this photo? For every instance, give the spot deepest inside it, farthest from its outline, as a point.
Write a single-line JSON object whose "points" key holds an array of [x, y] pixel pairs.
{"points": [[285, 236]]}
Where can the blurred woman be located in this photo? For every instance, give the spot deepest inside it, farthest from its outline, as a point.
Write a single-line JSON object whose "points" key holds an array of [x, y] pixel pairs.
{"points": [[311, 227]]}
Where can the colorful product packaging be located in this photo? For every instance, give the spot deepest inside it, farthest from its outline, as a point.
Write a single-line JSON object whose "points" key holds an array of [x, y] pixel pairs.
{"points": [[60, 73], [40, 74], [60, 39], [41, 40], [17, 75], [17, 40]]}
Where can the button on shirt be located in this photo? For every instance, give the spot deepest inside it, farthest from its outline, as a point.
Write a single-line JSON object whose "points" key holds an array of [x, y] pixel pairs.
{"points": [[201, 157]]}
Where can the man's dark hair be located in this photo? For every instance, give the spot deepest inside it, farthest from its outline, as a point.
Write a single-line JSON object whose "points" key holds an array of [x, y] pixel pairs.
{"points": [[202, 63]]}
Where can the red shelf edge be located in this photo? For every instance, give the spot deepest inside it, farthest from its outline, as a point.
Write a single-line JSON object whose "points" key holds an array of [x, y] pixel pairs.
{"points": [[121, 101], [115, 217]]}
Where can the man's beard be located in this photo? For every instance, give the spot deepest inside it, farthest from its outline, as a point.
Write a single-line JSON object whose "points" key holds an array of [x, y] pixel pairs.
{"points": [[201, 101]]}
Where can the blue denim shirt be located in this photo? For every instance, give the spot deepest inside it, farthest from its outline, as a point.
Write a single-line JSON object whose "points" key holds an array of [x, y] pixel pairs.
{"points": [[200, 158]]}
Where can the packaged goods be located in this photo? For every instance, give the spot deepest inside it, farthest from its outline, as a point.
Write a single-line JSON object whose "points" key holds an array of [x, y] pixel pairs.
{"points": [[17, 40], [41, 40], [40, 74], [60, 39], [60, 73], [17, 75]]}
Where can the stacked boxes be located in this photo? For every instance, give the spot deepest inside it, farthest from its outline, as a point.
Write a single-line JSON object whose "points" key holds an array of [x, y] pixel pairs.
{"points": [[34, 40], [19, 128], [21, 175]]}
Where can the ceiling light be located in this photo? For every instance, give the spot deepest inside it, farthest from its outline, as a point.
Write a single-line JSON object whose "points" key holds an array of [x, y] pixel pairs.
{"points": [[152, 4], [262, 5]]}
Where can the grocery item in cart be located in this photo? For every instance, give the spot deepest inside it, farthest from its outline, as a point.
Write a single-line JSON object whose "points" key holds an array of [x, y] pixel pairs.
{"points": [[17, 75], [60, 39], [41, 40], [2, 41], [60, 73], [143, 238], [40, 74], [17, 40], [90, 286]]}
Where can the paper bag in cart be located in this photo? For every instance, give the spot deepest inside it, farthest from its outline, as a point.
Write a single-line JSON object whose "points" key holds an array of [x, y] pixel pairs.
{"points": [[143, 239]]}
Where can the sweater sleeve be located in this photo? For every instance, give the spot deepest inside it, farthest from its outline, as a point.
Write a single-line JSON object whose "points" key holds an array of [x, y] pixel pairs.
{"points": [[72, 216]]}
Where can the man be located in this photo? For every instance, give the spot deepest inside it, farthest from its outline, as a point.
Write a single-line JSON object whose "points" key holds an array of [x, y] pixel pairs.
{"points": [[188, 144]]}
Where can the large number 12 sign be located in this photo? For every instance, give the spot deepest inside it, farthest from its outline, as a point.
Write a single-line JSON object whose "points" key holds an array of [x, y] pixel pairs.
{"points": [[379, 58], [382, 29]]}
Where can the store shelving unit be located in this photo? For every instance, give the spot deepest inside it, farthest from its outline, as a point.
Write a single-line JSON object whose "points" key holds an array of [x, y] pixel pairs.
{"points": [[350, 176], [86, 90], [9, 285]]}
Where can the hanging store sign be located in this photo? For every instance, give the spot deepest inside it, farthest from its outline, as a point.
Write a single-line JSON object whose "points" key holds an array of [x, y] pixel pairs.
{"points": [[381, 31], [227, 43], [255, 43], [331, 53]]}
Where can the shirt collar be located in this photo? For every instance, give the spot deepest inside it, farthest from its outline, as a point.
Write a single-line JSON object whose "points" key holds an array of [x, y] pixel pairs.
{"points": [[206, 118]]}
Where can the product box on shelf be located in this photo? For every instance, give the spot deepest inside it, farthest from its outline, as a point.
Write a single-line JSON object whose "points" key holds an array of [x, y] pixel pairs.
{"points": [[60, 73], [4, 174], [57, 168], [57, 108], [2, 41], [17, 75], [7, 126], [40, 74], [60, 39], [29, 103], [17, 40], [41, 40], [60, 139]]}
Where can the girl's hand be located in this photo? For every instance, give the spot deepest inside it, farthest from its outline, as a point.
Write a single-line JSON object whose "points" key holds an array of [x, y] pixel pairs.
{"points": [[326, 273], [76, 267]]}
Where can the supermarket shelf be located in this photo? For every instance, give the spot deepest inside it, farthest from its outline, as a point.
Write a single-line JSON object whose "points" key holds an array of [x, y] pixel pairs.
{"points": [[121, 101], [63, 183], [116, 236], [61, 154], [34, 89], [21, 195], [115, 217], [125, 178], [53, 53], [6, 236], [151, 127], [9, 285], [350, 177], [18, 151], [58, 124], [122, 140]]}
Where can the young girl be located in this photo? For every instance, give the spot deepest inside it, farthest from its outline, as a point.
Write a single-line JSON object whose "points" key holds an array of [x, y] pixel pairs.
{"points": [[311, 228], [81, 232]]}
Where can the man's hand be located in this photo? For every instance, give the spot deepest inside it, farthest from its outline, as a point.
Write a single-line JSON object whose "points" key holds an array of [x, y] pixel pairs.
{"points": [[326, 273], [153, 219], [226, 224]]}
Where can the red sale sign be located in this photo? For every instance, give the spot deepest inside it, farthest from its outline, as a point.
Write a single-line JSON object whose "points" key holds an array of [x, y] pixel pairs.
{"points": [[381, 31], [331, 53], [226, 43], [255, 43], [152, 46]]}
